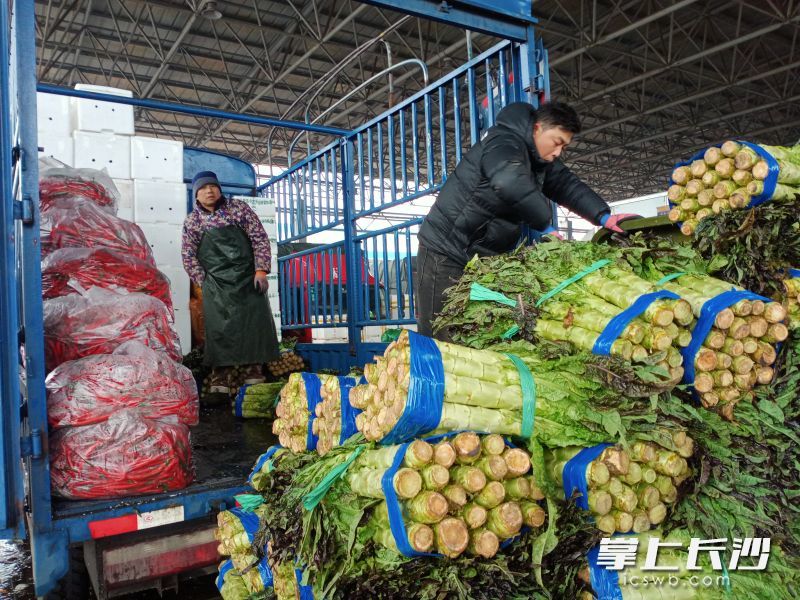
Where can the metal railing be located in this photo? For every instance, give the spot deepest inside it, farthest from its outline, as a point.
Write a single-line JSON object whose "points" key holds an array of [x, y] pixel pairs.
{"points": [[397, 158]]}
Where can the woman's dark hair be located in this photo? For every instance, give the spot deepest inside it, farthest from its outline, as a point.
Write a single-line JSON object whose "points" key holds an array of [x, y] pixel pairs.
{"points": [[558, 114]]}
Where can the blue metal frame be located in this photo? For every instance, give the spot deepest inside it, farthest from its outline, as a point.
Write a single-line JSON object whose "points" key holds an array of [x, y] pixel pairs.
{"points": [[333, 190], [12, 523], [191, 110], [401, 144]]}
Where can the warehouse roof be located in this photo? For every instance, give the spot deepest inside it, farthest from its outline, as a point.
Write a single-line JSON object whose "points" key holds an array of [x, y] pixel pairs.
{"points": [[654, 80]]}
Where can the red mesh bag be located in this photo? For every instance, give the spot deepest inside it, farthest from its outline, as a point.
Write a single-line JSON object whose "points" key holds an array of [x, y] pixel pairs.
{"points": [[91, 389], [79, 223], [127, 455], [97, 321], [105, 268]]}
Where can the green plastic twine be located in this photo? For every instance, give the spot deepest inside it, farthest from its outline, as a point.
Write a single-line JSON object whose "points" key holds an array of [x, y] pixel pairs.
{"points": [[511, 332], [316, 495], [564, 284], [483, 294], [728, 590], [670, 277], [249, 502], [528, 385]]}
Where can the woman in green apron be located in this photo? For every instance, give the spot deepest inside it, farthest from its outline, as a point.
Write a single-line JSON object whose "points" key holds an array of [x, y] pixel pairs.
{"points": [[227, 252]]}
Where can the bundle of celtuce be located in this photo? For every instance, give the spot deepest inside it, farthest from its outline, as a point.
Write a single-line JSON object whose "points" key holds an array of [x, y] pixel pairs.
{"points": [[254, 583], [91, 389], [466, 494], [235, 532], [583, 313], [575, 395], [792, 287], [628, 490], [288, 362], [731, 177], [333, 412], [257, 400], [295, 411], [739, 351]]}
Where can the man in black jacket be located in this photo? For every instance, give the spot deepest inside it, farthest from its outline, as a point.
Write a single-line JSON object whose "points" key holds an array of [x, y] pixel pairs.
{"points": [[504, 182]]}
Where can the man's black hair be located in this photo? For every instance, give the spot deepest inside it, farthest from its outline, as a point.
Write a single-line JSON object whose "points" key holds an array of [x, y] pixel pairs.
{"points": [[558, 114]]}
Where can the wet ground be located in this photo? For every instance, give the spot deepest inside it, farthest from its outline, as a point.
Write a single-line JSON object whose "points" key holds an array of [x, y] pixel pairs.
{"points": [[224, 450]]}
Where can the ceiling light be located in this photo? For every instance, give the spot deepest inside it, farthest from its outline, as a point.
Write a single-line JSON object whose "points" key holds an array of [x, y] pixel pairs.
{"points": [[209, 11]]}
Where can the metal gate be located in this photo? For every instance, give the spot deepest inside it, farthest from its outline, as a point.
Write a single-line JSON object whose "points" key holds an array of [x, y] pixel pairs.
{"points": [[349, 288]]}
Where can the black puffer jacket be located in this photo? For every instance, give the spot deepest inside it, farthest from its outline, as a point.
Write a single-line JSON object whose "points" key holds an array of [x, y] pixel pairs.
{"points": [[500, 185]]}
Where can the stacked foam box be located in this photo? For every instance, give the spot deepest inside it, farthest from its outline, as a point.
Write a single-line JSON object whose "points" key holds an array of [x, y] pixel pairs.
{"points": [[266, 212], [159, 208]]}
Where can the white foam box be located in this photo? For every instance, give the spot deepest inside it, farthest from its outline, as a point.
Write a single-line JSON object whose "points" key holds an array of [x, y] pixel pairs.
{"points": [[156, 159], [159, 201], [183, 327], [126, 213], [125, 189], [278, 328], [263, 207], [103, 151], [372, 333], [96, 115], [58, 147], [53, 116], [179, 284], [329, 334], [165, 242]]}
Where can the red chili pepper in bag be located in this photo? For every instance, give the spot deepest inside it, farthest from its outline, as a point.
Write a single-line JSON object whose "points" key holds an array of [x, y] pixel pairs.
{"points": [[71, 222], [125, 455], [105, 268], [91, 389], [97, 321]]}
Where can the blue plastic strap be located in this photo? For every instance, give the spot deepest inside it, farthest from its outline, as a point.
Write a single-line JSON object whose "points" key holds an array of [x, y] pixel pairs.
{"points": [[794, 272], [313, 397], [605, 582], [423, 409], [617, 325], [705, 322], [237, 404], [528, 386], [670, 277], [263, 459], [249, 522], [306, 593], [349, 413], [574, 474], [223, 570], [577, 277], [265, 572], [771, 182], [396, 523]]}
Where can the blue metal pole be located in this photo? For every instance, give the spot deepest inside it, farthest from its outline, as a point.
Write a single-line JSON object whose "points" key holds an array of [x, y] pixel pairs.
{"points": [[352, 251], [192, 110], [11, 517]]}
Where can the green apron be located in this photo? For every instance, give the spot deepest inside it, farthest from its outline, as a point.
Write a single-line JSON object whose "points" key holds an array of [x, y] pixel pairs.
{"points": [[239, 329]]}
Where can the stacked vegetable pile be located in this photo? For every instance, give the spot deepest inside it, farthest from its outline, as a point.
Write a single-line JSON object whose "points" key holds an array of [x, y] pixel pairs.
{"points": [[257, 400], [733, 176], [482, 391], [530, 299]]}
